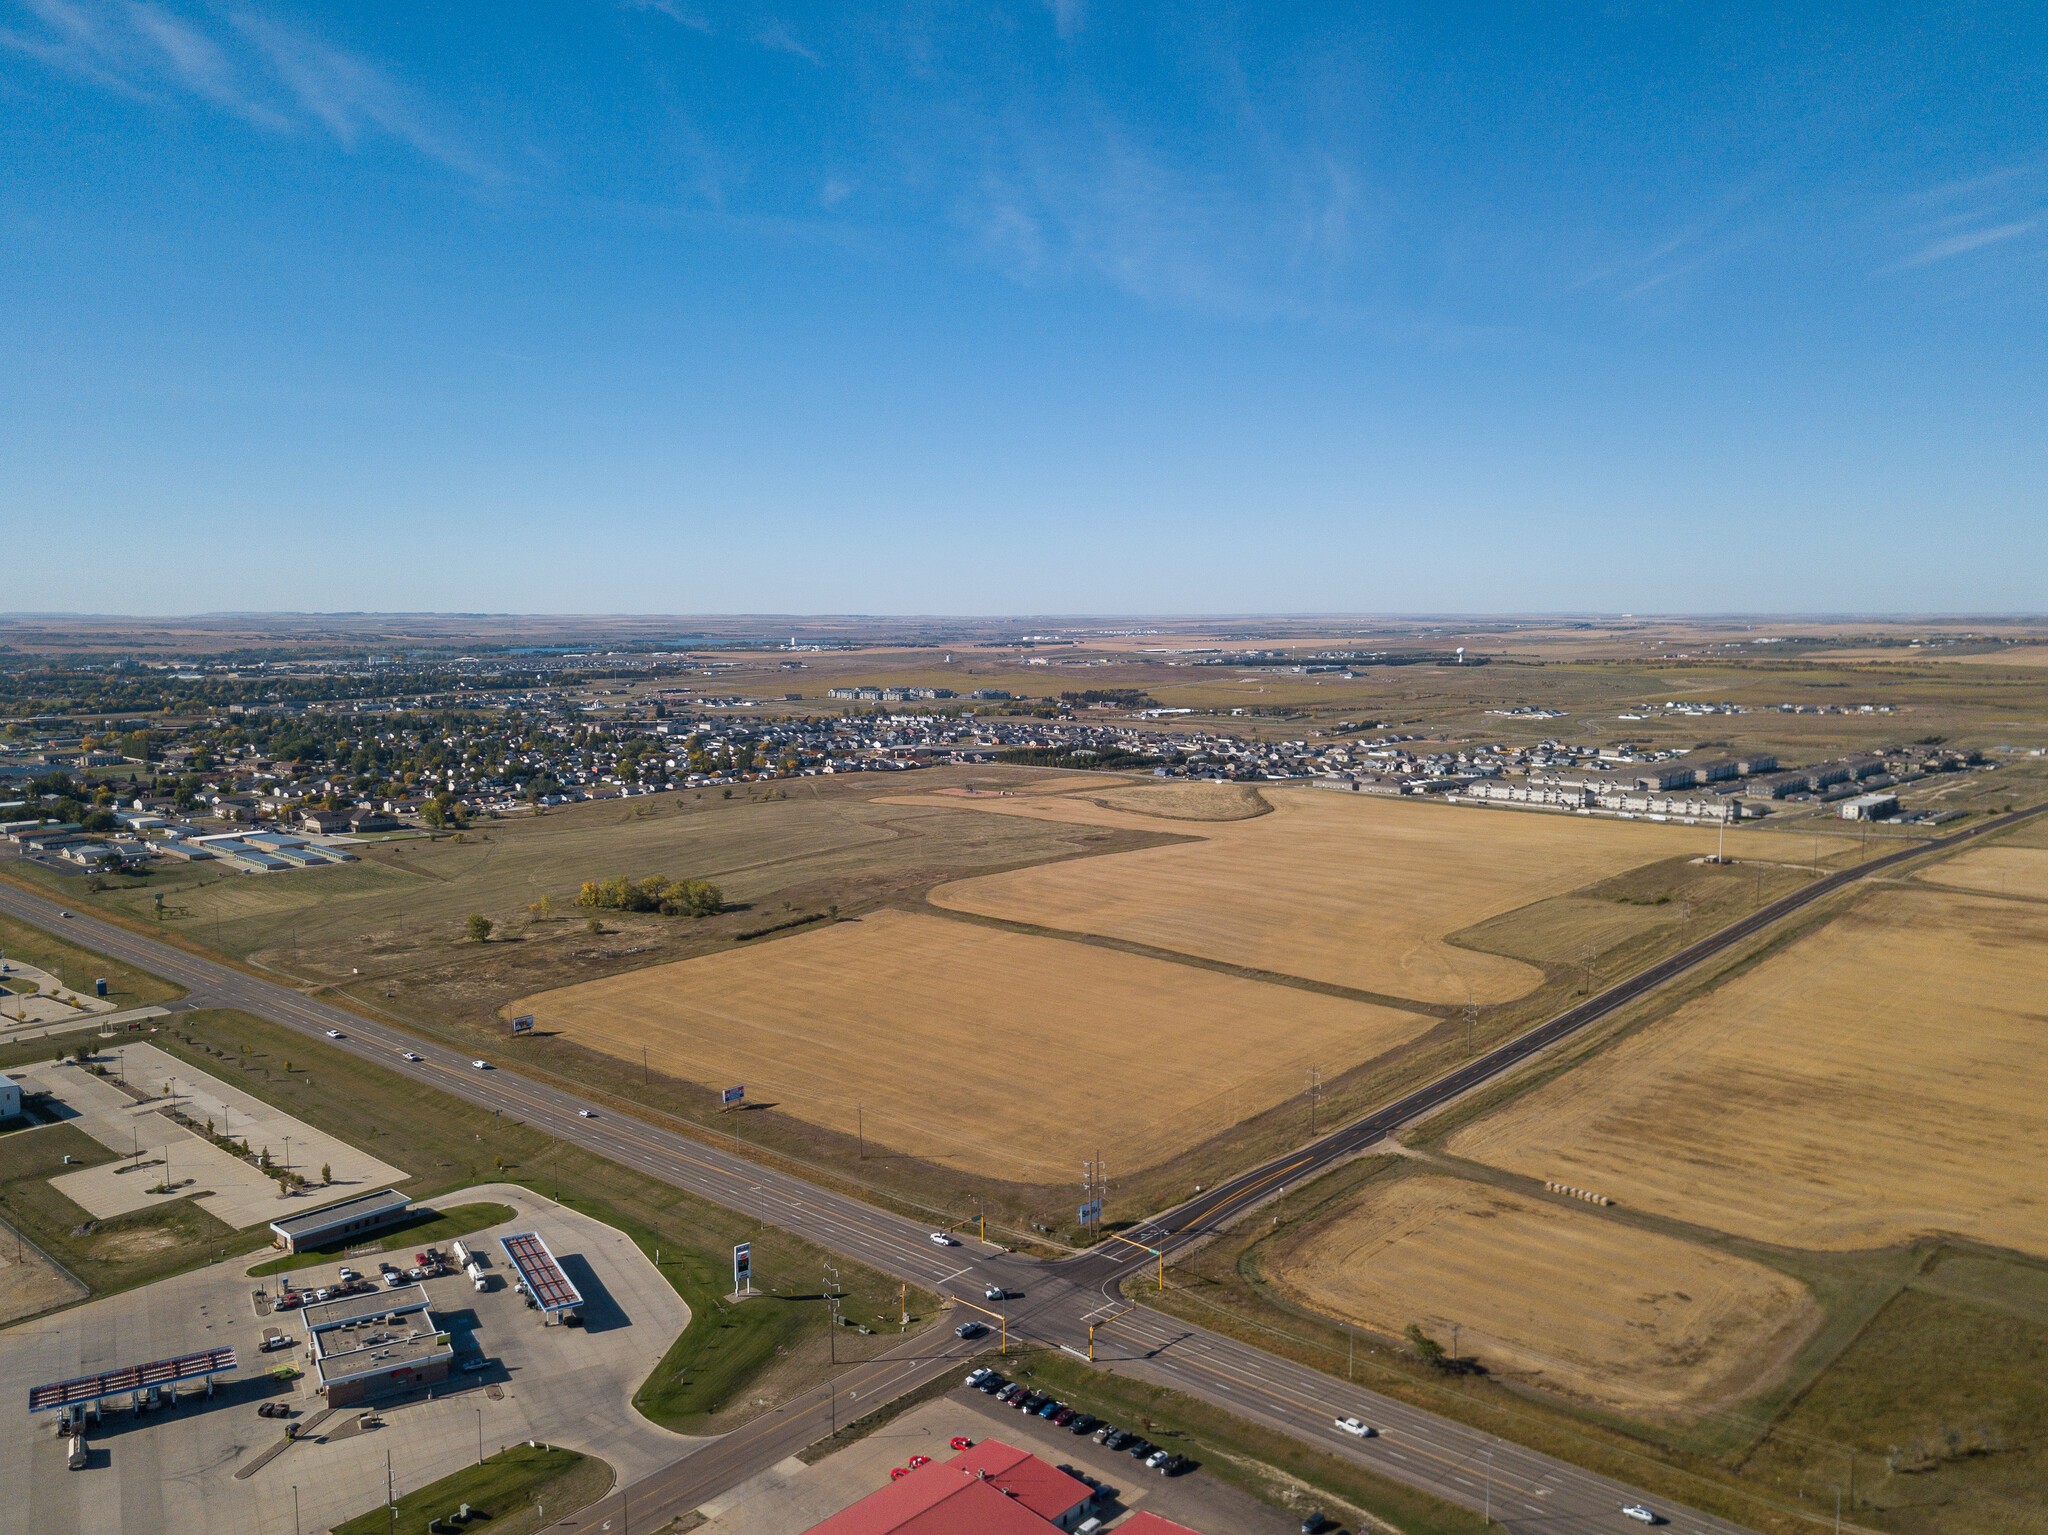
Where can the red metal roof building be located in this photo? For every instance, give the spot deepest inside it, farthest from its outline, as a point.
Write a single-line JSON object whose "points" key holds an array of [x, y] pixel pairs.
{"points": [[991, 1489]]}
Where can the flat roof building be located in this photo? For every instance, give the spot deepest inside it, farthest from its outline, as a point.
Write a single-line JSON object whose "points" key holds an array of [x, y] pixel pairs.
{"points": [[365, 1345], [346, 1219], [10, 1098]]}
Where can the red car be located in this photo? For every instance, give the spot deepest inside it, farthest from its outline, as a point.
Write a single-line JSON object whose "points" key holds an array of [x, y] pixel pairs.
{"points": [[919, 1460], [962, 1444], [1063, 1417], [287, 1300], [899, 1471]]}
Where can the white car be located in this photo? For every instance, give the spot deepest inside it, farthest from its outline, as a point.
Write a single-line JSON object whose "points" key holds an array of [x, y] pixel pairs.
{"points": [[978, 1376], [943, 1239], [334, 1033], [65, 915], [1357, 1428], [349, 1276], [481, 1065], [1640, 1514], [411, 1055]]}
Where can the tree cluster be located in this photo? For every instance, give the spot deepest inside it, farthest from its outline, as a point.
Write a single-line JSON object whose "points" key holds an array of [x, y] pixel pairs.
{"points": [[670, 897]]}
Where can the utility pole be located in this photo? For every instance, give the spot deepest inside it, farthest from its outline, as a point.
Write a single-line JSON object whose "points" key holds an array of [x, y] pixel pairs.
{"points": [[832, 1330], [1489, 1485], [1315, 1091], [1586, 957], [860, 1129], [390, 1501], [1471, 1021]]}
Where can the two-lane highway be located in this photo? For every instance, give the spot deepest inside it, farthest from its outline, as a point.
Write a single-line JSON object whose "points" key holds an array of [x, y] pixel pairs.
{"points": [[1053, 1304]]}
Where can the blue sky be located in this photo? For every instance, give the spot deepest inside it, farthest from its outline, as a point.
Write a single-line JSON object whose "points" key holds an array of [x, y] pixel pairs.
{"points": [[1022, 307]]}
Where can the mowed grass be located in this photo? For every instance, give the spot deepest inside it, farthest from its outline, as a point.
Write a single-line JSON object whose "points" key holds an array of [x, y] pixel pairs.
{"points": [[1880, 1079], [1941, 1402], [945, 1038], [1597, 1310], [79, 967], [727, 1361], [510, 1489], [2003, 868], [428, 1227], [1358, 890]]}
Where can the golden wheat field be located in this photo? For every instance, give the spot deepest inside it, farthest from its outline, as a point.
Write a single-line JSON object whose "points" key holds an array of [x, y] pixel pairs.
{"points": [[953, 1038], [1628, 1318], [2001, 869], [1353, 889], [1882, 1078]]}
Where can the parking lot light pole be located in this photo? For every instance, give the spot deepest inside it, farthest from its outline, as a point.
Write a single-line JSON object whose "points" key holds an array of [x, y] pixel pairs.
{"points": [[479, 1435], [295, 1510]]}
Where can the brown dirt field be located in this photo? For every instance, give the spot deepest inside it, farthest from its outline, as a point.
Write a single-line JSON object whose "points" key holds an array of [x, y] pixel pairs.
{"points": [[1882, 1078], [1629, 1318], [29, 1284], [1189, 802], [954, 1037], [1352, 889], [2001, 869]]}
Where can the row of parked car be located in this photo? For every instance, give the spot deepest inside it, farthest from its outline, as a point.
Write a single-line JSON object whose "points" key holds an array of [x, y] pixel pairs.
{"points": [[347, 1281], [1074, 1421]]}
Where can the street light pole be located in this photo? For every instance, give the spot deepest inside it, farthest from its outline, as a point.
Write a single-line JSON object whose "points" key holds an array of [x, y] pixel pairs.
{"points": [[1489, 1486]]}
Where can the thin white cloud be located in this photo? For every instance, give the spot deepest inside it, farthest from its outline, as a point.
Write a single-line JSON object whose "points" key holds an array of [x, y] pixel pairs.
{"points": [[834, 192], [1067, 15], [351, 97], [259, 70], [778, 36], [200, 66], [1963, 244], [680, 14]]}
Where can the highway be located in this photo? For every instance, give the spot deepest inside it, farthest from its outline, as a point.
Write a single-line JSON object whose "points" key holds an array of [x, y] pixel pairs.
{"points": [[1050, 1305]]}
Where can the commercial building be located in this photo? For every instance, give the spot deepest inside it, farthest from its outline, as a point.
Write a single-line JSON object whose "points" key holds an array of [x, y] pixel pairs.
{"points": [[367, 1345], [346, 1220], [10, 1098], [1869, 807], [991, 1489]]}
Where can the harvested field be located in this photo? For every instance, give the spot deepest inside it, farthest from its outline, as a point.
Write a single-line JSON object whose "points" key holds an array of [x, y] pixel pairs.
{"points": [[949, 1035], [1597, 1309], [2000, 869], [1882, 1078], [1353, 889], [1189, 802]]}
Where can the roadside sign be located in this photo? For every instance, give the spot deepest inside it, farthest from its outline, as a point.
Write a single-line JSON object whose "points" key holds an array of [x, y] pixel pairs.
{"points": [[743, 1268], [732, 1095], [1091, 1212], [523, 1024]]}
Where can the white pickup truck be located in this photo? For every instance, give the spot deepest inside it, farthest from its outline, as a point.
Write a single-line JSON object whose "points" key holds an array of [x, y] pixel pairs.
{"points": [[1357, 1428]]}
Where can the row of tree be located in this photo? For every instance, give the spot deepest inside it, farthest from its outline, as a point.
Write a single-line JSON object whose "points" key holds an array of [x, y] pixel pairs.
{"points": [[670, 897]]}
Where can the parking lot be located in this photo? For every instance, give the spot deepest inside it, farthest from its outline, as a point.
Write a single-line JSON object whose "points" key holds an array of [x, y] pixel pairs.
{"points": [[175, 1471], [793, 1496]]}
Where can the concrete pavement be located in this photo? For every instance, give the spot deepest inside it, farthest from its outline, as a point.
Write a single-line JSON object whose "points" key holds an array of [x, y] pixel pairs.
{"points": [[1057, 1301]]}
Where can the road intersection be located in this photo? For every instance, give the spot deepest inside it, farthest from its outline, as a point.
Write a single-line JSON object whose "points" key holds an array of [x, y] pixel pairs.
{"points": [[1051, 1304]]}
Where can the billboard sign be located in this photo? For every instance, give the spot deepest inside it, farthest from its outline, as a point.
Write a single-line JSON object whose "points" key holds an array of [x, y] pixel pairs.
{"points": [[743, 1268], [523, 1024], [732, 1095], [1091, 1213]]}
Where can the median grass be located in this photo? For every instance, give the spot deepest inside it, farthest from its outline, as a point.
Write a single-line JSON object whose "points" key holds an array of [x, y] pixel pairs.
{"points": [[515, 1490], [732, 1362], [428, 1228]]}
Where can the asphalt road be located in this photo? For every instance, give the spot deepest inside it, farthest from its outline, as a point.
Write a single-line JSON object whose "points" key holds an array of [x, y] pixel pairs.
{"points": [[1203, 1215], [1048, 1304]]}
